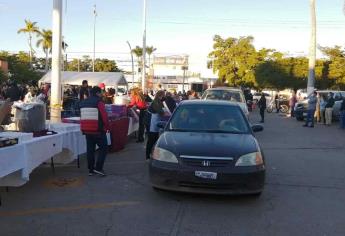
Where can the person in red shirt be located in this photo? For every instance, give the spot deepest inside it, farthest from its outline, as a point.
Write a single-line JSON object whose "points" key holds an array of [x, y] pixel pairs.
{"points": [[138, 101], [94, 124]]}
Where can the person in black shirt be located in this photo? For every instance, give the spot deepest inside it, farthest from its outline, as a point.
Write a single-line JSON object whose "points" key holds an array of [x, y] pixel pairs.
{"points": [[262, 106], [84, 91], [342, 114]]}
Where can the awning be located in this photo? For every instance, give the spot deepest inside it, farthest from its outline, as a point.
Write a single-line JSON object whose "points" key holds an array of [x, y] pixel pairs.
{"points": [[93, 78]]}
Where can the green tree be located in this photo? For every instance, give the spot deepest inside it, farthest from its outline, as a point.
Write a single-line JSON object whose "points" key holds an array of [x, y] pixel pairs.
{"points": [[149, 51], [30, 29], [235, 60], [105, 65], [85, 64], [3, 76], [138, 52], [45, 41], [336, 72], [20, 69]]}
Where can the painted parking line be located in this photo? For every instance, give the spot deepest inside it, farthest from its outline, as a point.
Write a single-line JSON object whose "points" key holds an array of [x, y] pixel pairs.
{"points": [[69, 208]]}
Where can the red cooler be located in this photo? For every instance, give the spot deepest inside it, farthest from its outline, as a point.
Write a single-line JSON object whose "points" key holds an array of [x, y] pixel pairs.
{"points": [[119, 133]]}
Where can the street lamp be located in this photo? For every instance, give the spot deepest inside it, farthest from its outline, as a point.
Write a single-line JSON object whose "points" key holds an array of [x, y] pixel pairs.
{"points": [[184, 68], [130, 49], [94, 38], [144, 49]]}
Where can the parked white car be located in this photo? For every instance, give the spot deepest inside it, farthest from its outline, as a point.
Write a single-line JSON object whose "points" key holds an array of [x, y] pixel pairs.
{"points": [[227, 94]]}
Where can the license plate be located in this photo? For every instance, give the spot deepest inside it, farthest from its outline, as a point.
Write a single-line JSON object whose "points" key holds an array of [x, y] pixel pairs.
{"points": [[206, 175]]}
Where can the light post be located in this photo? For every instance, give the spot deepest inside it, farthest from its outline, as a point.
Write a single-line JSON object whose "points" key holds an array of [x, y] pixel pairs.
{"points": [[55, 102], [184, 68], [130, 49], [143, 81], [312, 49], [94, 38]]}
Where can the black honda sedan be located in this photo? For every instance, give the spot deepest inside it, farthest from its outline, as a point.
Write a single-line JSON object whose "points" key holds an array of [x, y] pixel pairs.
{"points": [[208, 147]]}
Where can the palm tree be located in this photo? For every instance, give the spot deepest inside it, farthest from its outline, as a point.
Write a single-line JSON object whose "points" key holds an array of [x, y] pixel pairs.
{"points": [[312, 49], [46, 43], [30, 28], [149, 51], [138, 52]]}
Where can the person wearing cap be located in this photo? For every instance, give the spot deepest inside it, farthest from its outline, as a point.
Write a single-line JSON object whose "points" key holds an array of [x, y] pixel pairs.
{"points": [[312, 100], [103, 92], [94, 124]]}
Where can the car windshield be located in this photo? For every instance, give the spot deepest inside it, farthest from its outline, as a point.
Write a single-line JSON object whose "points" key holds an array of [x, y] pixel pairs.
{"points": [[208, 118], [228, 95]]}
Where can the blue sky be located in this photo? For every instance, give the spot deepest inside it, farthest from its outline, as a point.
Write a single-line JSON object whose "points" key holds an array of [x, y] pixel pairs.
{"points": [[179, 26]]}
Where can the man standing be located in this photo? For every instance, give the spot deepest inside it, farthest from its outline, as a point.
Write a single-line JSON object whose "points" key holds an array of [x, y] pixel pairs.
{"points": [[84, 91], [312, 100], [329, 109], [262, 106], [94, 124], [292, 103], [342, 114], [276, 100]]}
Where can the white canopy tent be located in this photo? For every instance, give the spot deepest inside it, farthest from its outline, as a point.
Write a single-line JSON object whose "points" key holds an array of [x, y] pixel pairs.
{"points": [[113, 79]]}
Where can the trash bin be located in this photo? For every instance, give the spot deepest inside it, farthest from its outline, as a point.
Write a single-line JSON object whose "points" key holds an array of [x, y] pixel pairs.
{"points": [[30, 117]]}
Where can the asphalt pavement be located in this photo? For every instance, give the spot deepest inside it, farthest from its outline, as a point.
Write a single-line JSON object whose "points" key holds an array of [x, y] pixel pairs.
{"points": [[304, 194]]}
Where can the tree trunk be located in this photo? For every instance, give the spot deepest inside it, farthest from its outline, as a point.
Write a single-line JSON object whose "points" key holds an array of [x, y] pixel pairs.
{"points": [[312, 49], [47, 61], [30, 52]]}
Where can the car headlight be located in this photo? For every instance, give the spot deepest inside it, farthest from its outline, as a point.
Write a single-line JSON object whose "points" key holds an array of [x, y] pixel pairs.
{"points": [[161, 154], [250, 159]]}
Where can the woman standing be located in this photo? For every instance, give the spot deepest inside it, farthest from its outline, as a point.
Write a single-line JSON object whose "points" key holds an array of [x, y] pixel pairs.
{"points": [[323, 102], [138, 100], [157, 111]]}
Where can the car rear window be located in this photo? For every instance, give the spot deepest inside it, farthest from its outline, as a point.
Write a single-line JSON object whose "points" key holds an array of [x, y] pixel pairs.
{"points": [[209, 118], [227, 95]]}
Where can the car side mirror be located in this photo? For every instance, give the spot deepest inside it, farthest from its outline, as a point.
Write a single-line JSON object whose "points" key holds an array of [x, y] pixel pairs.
{"points": [[257, 128], [161, 124]]}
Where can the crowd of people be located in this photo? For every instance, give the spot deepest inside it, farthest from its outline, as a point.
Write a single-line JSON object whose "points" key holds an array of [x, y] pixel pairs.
{"points": [[319, 108], [153, 107]]}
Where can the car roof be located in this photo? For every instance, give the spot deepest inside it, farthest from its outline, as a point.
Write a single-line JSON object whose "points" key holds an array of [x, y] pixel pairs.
{"points": [[209, 102], [225, 88]]}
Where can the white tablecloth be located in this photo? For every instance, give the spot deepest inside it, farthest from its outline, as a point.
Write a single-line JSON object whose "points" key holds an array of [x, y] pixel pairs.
{"points": [[18, 161], [74, 142], [22, 137], [11, 159], [133, 126]]}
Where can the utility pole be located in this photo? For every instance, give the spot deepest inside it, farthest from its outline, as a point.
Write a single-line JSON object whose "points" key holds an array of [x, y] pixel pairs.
{"points": [[94, 38], [130, 49], [55, 101], [312, 49], [143, 81], [184, 68]]}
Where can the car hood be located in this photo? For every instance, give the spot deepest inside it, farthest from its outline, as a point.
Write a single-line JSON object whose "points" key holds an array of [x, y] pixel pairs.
{"points": [[208, 144]]}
